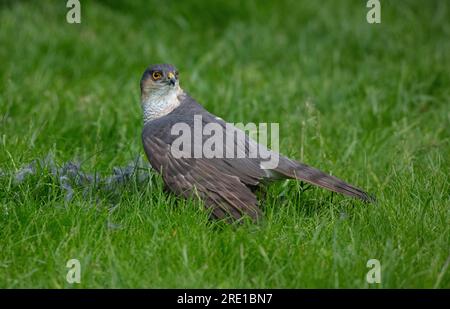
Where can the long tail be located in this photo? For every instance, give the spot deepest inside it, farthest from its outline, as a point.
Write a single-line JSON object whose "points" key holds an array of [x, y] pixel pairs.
{"points": [[293, 169]]}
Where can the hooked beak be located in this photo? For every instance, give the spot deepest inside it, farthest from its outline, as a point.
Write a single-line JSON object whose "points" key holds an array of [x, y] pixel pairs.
{"points": [[172, 79]]}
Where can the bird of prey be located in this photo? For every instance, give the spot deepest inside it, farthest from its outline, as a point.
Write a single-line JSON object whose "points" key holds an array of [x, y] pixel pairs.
{"points": [[224, 184]]}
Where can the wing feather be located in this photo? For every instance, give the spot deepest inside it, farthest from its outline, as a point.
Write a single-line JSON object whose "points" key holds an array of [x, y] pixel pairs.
{"points": [[223, 192]]}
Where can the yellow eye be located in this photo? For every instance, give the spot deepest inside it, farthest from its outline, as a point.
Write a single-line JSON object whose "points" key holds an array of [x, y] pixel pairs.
{"points": [[156, 75]]}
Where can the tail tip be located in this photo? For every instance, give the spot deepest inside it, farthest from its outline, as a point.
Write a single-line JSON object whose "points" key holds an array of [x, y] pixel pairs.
{"points": [[368, 198]]}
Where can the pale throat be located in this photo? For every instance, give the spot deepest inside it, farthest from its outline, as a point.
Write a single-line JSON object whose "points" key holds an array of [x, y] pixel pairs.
{"points": [[160, 102]]}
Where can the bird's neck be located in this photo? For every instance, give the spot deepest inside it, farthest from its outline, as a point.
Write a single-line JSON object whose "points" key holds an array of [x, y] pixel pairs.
{"points": [[159, 103]]}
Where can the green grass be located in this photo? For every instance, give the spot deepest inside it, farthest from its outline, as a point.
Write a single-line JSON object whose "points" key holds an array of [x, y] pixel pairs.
{"points": [[369, 103]]}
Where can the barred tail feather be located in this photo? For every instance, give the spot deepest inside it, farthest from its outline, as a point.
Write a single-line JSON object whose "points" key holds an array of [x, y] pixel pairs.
{"points": [[293, 169]]}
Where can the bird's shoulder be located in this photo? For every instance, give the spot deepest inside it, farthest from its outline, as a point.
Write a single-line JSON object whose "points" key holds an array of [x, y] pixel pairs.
{"points": [[185, 113]]}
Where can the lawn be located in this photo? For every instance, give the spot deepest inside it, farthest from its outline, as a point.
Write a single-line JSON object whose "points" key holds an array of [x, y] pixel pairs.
{"points": [[369, 103]]}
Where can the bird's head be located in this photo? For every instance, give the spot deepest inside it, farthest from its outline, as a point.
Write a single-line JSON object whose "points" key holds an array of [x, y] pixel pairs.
{"points": [[159, 79]]}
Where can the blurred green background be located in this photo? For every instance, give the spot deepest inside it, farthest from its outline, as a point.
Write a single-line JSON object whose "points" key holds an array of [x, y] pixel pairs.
{"points": [[367, 102]]}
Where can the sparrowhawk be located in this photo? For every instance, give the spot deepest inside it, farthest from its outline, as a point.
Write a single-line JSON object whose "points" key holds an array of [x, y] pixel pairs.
{"points": [[224, 184]]}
